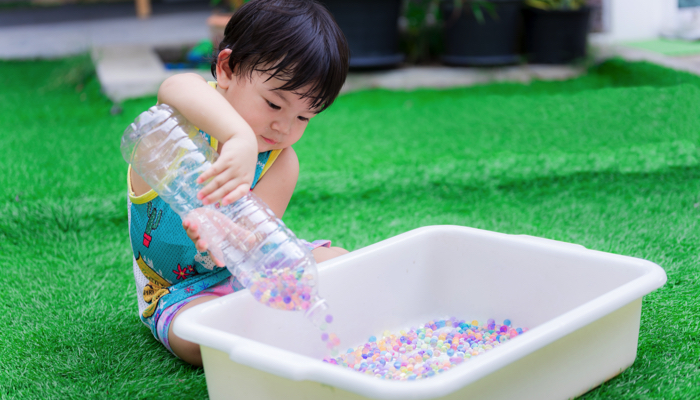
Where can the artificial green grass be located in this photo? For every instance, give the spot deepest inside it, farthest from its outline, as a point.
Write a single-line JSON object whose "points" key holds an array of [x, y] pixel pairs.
{"points": [[608, 160]]}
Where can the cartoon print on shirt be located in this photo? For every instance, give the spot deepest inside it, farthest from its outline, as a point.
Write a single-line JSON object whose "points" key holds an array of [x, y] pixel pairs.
{"points": [[184, 273], [156, 287], [205, 261], [153, 221]]}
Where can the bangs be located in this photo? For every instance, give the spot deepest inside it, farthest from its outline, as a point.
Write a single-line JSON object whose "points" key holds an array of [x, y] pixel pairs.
{"points": [[295, 41]]}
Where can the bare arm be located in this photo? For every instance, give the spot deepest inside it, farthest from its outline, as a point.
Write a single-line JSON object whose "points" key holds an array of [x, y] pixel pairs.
{"points": [[277, 185], [207, 109]]}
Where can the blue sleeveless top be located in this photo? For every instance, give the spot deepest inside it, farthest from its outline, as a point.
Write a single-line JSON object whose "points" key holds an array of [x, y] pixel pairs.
{"points": [[167, 266]]}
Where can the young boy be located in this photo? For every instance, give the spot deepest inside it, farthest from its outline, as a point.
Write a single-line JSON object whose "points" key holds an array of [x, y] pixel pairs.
{"points": [[280, 63]]}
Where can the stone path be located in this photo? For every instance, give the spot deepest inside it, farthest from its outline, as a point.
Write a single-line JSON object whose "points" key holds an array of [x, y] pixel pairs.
{"points": [[681, 63], [128, 71]]}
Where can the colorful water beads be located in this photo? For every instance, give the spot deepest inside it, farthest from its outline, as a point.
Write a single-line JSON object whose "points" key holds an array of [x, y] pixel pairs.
{"points": [[430, 349]]}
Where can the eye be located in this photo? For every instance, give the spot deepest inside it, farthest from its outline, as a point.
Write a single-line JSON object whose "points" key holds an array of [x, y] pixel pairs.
{"points": [[303, 119], [273, 105]]}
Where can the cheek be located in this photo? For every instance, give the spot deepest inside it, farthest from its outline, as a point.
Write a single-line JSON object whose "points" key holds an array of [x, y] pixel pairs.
{"points": [[298, 132], [252, 112], [253, 116], [257, 122]]}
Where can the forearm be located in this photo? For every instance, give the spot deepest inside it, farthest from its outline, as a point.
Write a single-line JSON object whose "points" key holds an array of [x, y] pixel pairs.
{"points": [[232, 174], [204, 107]]}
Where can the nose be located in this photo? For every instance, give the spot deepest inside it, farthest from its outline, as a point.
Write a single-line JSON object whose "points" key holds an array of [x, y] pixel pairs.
{"points": [[282, 125]]}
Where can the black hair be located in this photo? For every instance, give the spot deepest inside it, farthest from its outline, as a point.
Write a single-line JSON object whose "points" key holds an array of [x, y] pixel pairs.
{"points": [[297, 41]]}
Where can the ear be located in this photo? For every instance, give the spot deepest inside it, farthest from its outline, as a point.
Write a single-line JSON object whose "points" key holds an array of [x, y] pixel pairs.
{"points": [[224, 75]]}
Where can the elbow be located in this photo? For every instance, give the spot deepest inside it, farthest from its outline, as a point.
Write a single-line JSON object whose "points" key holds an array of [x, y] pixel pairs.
{"points": [[175, 85]]}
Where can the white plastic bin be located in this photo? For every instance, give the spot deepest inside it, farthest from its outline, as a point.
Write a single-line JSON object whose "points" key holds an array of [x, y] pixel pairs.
{"points": [[582, 306]]}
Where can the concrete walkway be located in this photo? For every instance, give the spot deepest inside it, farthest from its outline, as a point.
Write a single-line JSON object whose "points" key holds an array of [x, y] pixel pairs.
{"points": [[127, 65], [681, 63], [128, 71]]}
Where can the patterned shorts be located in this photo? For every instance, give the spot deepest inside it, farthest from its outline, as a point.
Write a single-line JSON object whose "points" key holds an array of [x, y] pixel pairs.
{"points": [[227, 286]]}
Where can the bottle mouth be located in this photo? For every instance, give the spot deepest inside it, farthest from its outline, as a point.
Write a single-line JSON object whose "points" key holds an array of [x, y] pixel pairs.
{"points": [[313, 312]]}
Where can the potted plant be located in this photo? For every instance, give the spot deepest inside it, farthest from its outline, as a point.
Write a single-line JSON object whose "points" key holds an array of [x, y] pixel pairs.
{"points": [[481, 32], [218, 20], [371, 29], [556, 31], [421, 36]]}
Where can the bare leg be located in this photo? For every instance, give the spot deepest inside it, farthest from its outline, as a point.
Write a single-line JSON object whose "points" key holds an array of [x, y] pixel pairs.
{"points": [[322, 254], [187, 351]]}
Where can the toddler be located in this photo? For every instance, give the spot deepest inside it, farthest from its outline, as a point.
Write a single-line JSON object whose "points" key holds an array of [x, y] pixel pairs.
{"points": [[280, 63]]}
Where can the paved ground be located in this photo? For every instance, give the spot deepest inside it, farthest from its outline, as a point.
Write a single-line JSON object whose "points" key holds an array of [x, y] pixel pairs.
{"points": [[682, 63], [122, 47]]}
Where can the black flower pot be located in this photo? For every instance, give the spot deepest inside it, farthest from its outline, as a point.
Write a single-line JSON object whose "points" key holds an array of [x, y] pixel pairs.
{"points": [[491, 41], [371, 28], [556, 36]]}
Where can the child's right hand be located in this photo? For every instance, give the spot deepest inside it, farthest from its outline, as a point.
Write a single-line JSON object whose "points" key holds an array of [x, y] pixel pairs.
{"points": [[231, 176], [232, 173]]}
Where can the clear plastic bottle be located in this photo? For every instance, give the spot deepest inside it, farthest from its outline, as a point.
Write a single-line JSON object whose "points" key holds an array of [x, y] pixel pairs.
{"points": [[169, 153]]}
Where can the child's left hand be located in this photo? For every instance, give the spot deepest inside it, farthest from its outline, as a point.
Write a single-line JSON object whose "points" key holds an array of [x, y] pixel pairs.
{"points": [[232, 173], [221, 224]]}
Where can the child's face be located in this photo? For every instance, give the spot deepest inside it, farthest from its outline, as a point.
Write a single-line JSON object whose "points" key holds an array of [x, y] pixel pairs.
{"points": [[277, 117]]}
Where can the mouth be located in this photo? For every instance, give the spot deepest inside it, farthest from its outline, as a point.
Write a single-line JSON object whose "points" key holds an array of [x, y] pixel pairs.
{"points": [[268, 141]]}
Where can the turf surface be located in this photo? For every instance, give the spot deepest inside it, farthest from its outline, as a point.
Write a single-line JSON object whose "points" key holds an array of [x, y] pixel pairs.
{"points": [[609, 160]]}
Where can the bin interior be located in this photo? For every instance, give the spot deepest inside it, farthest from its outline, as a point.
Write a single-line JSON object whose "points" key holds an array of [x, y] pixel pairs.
{"points": [[465, 273]]}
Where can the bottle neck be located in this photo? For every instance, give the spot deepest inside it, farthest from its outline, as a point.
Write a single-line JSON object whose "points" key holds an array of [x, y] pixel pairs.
{"points": [[317, 312]]}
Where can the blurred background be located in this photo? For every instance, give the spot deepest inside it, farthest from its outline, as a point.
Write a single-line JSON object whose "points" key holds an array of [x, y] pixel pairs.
{"points": [[168, 36]]}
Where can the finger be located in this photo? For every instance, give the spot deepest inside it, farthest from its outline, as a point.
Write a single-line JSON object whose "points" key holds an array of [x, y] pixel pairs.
{"points": [[234, 232], [201, 245], [215, 170], [192, 226], [236, 194], [210, 187], [230, 178], [222, 191], [221, 222], [218, 262], [194, 237], [214, 185], [243, 236], [193, 232]]}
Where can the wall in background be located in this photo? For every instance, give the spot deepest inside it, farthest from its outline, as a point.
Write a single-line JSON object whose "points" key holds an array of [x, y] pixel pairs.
{"points": [[634, 20]]}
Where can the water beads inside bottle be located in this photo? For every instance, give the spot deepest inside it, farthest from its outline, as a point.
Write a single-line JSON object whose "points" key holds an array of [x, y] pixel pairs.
{"points": [[283, 289]]}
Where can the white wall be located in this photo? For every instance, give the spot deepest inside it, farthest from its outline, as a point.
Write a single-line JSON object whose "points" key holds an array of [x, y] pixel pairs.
{"points": [[631, 20]]}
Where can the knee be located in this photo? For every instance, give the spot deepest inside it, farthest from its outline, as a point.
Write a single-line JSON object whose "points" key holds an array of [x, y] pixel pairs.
{"points": [[322, 254], [339, 250], [189, 352]]}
